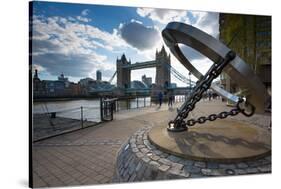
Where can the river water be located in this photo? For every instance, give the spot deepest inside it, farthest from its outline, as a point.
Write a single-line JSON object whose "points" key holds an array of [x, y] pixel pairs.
{"points": [[90, 107]]}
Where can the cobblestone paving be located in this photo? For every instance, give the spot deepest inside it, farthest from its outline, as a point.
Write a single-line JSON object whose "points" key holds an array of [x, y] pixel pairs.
{"points": [[84, 157], [88, 156], [139, 160]]}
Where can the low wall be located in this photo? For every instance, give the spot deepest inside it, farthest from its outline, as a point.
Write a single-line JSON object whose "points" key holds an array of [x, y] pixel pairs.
{"points": [[139, 160]]}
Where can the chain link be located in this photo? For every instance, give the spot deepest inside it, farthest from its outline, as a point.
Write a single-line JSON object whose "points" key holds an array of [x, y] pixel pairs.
{"points": [[178, 124], [221, 115]]}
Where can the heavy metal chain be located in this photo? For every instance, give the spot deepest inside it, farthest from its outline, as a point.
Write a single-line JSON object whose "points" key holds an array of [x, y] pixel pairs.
{"points": [[223, 115], [178, 124]]}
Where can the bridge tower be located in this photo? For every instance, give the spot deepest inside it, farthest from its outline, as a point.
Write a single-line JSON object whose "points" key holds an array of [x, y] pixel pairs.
{"points": [[163, 76], [123, 74]]}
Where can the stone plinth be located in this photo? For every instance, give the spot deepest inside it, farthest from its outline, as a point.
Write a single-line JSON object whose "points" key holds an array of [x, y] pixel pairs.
{"points": [[220, 141], [140, 160]]}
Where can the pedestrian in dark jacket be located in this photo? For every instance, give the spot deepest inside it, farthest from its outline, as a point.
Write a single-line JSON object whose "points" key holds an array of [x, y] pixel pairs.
{"points": [[160, 98]]}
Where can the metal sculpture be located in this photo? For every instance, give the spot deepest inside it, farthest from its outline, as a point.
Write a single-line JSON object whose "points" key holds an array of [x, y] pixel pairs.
{"points": [[224, 60]]}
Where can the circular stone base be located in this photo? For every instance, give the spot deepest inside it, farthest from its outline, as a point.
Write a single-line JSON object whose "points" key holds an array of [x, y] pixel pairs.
{"points": [[220, 141], [139, 160]]}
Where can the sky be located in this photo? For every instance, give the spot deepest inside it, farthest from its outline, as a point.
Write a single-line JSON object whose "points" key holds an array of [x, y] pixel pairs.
{"points": [[79, 39]]}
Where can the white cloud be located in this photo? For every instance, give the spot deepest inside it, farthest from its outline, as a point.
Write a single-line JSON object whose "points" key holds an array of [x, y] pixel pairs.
{"points": [[83, 19], [137, 21], [163, 16], [85, 12], [138, 35], [64, 45], [73, 37], [107, 69], [207, 21], [37, 67], [71, 19]]}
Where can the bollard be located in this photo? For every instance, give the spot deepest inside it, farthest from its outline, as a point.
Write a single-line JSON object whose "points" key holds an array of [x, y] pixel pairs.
{"points": [[53, 114], [111, 111], [128, 101], [82, 116], [101, 109]]}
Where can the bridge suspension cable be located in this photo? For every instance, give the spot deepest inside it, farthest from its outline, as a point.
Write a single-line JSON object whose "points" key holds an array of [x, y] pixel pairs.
{"points": [[110, 80], [178, 75]]}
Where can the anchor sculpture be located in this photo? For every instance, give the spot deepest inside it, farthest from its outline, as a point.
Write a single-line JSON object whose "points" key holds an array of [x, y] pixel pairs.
{"points": [[214, 148], [224, 60]]}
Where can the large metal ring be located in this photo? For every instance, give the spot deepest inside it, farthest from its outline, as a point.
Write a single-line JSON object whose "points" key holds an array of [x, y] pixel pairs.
{"points": [[179, 33]]}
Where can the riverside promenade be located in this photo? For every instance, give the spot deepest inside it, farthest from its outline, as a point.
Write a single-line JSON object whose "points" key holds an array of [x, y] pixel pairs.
{"points": [[88, 156]]}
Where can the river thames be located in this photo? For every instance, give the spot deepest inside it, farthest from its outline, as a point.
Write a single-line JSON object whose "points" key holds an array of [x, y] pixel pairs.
{"points": [[91, 107]]}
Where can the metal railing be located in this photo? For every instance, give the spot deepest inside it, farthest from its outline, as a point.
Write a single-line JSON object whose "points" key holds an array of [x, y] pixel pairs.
{"points": [[131, 103], [53, 123], [49, 123]]}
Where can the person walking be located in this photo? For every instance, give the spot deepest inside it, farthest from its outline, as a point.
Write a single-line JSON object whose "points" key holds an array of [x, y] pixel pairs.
{"points": [[160, 98], [170, 99]]}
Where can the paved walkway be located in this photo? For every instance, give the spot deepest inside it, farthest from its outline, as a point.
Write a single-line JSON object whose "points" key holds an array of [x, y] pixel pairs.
{"points": [[88, 156]]}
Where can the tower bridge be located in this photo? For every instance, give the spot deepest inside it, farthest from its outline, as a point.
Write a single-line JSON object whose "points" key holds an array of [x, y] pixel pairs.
{"points": [[162, 63], [140, 65], [163, 75]]}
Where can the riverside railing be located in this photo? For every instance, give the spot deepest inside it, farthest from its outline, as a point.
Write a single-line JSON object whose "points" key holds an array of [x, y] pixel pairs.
{"points": [[127, 103], [49, 123], [55, 122], [52, 123], [131, 103]]}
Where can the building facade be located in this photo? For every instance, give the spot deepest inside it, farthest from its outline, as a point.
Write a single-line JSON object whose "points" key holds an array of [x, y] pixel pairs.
{"points": [[99, 76], [250, 37], [147, 80], [123, 75], [38, 85], [163, 76], [61, 87]]}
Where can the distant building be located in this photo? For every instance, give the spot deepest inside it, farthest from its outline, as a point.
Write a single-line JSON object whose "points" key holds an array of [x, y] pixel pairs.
{"points": [[138, 85], [250, 38], [63, 79], [89, 85], [85, 82], [173, 85], [54, 88], [85, 85], [38, 85], [147, 80], [97, 86], [35, 77], [75, 89], [99, 76]]}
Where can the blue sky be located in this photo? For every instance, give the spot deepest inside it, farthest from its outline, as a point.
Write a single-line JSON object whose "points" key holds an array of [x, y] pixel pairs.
{"points": [[78, 39]]}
